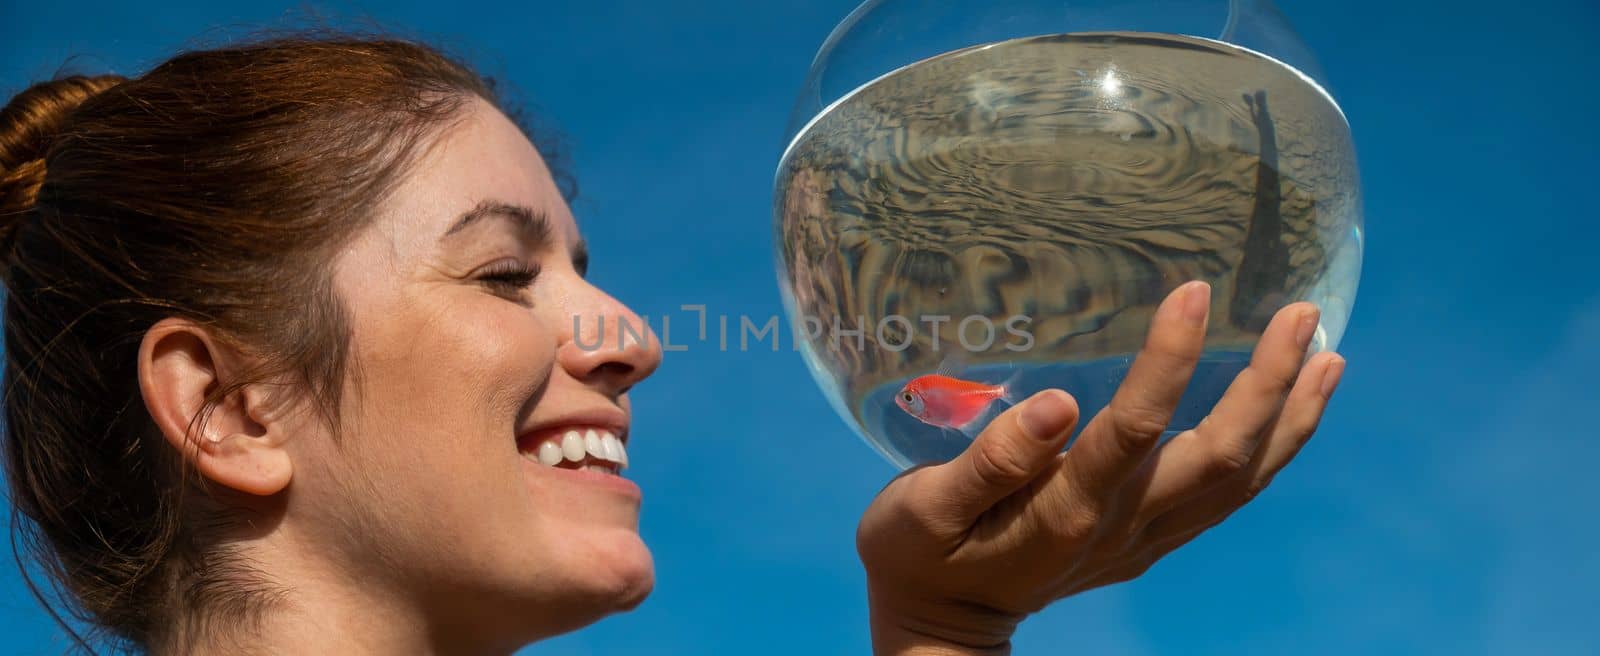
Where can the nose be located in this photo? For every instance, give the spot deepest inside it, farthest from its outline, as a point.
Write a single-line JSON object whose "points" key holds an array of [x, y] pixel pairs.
{"points": [[606, 344]]}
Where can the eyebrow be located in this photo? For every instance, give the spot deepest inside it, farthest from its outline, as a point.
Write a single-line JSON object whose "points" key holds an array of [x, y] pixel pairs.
{"points": [[535, 225]]}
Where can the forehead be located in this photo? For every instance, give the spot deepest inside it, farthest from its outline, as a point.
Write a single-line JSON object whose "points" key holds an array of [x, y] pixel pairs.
{"points": [[482, 156]]}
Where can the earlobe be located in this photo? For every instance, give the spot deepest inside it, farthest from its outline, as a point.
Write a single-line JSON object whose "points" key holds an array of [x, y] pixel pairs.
{"points": [[239, 444]]}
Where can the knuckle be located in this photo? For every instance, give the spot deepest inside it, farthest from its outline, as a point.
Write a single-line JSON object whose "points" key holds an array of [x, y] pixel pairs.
{"points": [[1301, 425], [1228, 458], [1079, 523], [1139, 565], [1078, 528], [1255, 487], [1138, 426], [998, 463]]}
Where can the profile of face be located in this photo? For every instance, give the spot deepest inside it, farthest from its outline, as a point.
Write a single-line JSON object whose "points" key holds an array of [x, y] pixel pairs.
{"points": [[476, 342]]}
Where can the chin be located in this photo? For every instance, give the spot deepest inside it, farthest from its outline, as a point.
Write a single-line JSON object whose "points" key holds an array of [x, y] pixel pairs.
{"points": [[597, 579], [610, 572], [623, 573]]}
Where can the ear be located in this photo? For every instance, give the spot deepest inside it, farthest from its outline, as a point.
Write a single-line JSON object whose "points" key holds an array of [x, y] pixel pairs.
{"points": [[241, 444]]}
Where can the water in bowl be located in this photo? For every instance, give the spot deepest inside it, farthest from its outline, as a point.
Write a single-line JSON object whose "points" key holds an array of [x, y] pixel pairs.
{"points": [[1028, 204]]}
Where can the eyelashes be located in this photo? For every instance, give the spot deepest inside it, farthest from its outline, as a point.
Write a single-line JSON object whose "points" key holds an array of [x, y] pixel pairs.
{"points": [[510, 277]]}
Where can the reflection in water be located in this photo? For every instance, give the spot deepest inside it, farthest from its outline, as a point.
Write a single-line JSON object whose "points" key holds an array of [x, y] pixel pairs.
{"points": [[1062, 185]]}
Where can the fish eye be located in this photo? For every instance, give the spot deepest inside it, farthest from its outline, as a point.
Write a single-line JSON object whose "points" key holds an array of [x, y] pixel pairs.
{"points": [[906, 396]]}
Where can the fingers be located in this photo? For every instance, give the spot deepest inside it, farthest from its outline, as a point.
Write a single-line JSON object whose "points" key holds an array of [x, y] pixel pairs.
{"points": [[1301, 415], [1117, 441], [1228, 440], [1015, 447]]}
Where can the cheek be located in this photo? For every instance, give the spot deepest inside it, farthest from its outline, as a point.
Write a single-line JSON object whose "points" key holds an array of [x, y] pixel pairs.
{"points": [[454, 395], [483, 353], [441, 391]]}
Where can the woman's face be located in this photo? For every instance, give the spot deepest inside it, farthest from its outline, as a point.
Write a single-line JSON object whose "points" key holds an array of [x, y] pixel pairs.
{"points": [[434, 494]]}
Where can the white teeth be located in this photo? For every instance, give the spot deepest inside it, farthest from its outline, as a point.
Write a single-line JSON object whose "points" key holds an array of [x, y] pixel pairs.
{"points": [[613, 447], [582, 445], [572, 446], [550, 453], [598, 468]]}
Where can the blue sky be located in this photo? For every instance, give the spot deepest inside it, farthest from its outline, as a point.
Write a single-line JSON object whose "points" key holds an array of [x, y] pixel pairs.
{"points": [[1445, 507]]}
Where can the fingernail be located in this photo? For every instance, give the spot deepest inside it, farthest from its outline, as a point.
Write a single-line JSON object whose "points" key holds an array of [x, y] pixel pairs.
{"points": [[1046, 415], [1198, 303], [1330, 378], [1308, 327]]}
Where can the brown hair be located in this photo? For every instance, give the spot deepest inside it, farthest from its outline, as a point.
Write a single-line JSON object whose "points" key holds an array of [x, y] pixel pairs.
{"points": [[215, 187]]}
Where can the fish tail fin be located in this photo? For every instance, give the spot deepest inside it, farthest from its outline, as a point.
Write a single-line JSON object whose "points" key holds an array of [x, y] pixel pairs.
{"points": [[1009, 391]]}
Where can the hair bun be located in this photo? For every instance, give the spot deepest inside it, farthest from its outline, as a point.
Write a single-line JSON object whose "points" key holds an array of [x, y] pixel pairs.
{"points": [[28, 125]]}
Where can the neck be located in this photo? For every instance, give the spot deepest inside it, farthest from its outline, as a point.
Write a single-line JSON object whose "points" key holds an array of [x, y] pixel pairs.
{"points": [[301, 604]]}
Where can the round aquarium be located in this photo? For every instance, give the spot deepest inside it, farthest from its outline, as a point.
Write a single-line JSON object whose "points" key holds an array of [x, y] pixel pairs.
{"points": [[1000, 193]]}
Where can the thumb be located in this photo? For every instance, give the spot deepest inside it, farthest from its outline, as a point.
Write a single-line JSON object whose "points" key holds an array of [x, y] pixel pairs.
{"points": [[1015, 447]]}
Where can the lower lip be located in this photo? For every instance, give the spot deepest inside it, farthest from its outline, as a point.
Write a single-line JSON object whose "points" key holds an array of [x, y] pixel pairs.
{"points": [[611, 482]]}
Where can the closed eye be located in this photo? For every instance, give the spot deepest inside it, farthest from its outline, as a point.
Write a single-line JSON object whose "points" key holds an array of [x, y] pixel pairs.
{"points": [[508, 277]]}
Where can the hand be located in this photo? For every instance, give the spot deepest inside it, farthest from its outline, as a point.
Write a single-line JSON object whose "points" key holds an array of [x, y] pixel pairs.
{"points": [[958, 554]]}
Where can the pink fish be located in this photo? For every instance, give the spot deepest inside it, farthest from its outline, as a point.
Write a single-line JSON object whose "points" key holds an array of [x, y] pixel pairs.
{"points": [[949, 402]]}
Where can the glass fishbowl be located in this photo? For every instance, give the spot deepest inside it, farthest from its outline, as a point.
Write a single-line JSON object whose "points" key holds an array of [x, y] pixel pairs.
{"points": [[1003, 191]]}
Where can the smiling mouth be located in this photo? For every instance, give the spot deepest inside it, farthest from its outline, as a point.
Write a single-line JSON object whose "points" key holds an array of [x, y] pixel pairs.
{"points": [[589, 448]]}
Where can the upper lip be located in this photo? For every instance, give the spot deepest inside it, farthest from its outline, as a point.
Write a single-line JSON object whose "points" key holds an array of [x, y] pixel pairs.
{"points": [[611, 419]]}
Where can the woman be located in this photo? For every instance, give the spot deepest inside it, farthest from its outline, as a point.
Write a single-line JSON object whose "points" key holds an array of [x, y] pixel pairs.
{"points": [[291, 368]]}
